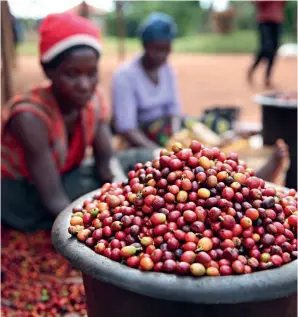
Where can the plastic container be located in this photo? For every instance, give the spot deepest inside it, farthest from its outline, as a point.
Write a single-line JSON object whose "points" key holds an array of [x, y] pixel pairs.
{"points": [[114, 290], [279, 119]]}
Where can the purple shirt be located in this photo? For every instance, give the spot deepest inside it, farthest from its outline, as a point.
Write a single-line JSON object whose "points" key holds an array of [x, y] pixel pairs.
{"points": [[136, 99]]}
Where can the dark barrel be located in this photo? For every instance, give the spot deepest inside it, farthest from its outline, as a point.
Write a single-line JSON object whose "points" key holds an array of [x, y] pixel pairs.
{"points": [[279, 119], [114, 290]]}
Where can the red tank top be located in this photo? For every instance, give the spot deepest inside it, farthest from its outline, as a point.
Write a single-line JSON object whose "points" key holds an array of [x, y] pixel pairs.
{"points": [[270, 11], [41, 102]]}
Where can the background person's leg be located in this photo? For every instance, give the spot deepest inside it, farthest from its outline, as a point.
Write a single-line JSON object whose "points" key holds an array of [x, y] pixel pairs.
{"points": [[262, 29], [274, 36]]}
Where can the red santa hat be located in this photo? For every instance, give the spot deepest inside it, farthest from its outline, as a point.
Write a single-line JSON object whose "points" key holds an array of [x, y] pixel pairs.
{"points": [[59, 32]]}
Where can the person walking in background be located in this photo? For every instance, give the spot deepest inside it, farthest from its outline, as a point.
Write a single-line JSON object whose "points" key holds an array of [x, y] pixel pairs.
{"points": [[270, 16]]}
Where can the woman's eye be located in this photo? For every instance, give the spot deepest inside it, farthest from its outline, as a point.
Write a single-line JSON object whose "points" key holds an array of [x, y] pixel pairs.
{"points": [[92, 74], [70, 73]]}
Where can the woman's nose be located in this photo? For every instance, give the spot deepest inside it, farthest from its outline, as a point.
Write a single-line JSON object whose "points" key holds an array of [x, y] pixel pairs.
{"points": [[84, 83]]}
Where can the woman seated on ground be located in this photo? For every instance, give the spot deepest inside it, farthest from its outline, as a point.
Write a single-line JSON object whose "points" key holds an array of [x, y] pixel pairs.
{"points": [[46, 131], [146, 106], [144, 89]]}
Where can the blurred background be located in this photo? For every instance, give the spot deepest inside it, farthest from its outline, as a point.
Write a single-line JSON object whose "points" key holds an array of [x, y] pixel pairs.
{"points": [[216, 43]]}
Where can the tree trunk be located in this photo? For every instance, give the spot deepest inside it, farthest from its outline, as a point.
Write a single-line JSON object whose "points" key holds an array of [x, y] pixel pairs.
{"points": [[8, 53], [223, 21], [84, 10], [121, 30]]}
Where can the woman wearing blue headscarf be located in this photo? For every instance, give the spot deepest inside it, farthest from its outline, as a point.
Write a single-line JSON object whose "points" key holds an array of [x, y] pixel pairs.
{"points": [[145, 98]]}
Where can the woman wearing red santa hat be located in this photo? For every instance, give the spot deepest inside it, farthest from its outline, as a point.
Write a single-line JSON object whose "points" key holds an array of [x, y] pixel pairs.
{"points": [[46, 131]]}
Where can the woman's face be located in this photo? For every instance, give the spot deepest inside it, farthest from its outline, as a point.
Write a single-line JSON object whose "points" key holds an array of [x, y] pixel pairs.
{"points": [[76, 77], [157, 53]]}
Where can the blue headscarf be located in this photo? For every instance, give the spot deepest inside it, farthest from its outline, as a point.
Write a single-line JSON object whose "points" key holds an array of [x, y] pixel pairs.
{"points": [[158, 27]]}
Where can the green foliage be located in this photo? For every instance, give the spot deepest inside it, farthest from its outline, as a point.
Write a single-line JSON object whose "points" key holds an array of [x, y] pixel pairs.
{"points": [[290, 25], [245, 16], [215, 43], [186, 14], [193, 23], [29, 23], [191, 18]]}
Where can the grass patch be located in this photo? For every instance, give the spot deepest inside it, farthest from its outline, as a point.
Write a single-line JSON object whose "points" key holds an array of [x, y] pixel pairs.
{"points": [[236, 42], [211, 43], [27, 49]]}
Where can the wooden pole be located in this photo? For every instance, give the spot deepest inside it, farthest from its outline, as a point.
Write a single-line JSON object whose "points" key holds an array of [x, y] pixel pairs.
{"points": [[84, 10], [8, 53], [121, 30]]}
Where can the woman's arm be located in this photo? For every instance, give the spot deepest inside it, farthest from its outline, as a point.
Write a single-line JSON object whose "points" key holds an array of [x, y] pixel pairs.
{"points": [[175, 106], [175, 124], [32, 134], [138, 139], [107, 165]]}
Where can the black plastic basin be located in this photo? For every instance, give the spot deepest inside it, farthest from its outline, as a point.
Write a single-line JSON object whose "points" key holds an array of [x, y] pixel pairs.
{"points": [[279, 119], [113, 289]]}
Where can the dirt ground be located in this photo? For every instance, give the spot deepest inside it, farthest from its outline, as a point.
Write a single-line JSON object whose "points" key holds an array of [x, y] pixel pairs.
{"points": [[204, 80]]}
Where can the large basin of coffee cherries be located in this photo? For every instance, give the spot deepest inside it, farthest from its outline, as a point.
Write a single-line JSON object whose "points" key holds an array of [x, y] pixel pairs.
{"points": [[113, 289]]}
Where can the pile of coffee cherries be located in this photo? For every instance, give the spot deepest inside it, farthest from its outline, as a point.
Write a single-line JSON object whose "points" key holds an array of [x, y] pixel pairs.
{"points": [[35, 280], [194, 211]]}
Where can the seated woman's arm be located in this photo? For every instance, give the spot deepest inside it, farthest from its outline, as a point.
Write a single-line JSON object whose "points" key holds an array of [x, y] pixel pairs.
{"points": [[108, 166], [125, 112], [175, 106], [32, 134], [138, 139]]}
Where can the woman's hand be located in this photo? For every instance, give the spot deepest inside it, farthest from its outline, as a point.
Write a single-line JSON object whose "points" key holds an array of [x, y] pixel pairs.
{"points": [[137, 138], [103, 153], [104, 173], [156, 152], [118, 172]]}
